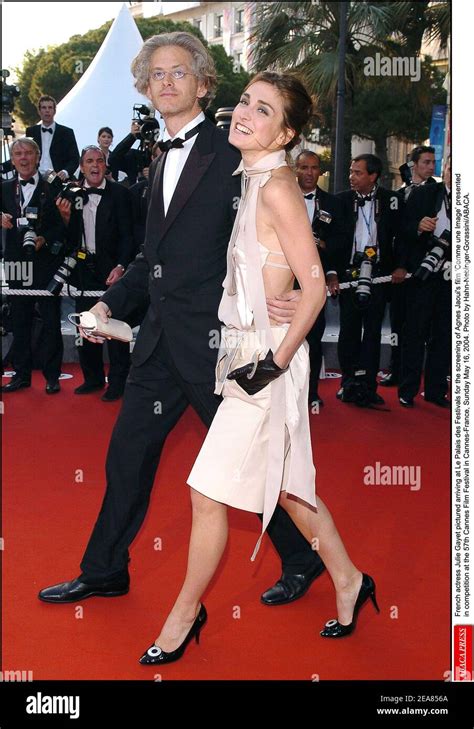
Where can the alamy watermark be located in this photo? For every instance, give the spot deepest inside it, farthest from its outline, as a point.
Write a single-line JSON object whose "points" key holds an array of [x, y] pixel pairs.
{"points": [[379, 65], [379, 475]]}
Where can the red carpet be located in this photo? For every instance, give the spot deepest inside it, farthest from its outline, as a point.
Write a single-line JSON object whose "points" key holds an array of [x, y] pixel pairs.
{"points": [[400, 536]]}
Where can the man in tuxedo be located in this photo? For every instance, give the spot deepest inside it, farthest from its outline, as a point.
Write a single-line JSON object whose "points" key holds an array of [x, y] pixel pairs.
{"points": [[193, 200], [371, 217], [428, 321], [422, 161], [101, 232], [329, 238], [57, 143], [26, 200]]}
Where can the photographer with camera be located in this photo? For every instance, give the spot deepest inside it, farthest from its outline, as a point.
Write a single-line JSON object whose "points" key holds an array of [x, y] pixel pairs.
{"points": [[101, 230], [325, 214], [145, 129], [57, 143], [371, 216], [34, 249], [417, 171], [426, 234]]}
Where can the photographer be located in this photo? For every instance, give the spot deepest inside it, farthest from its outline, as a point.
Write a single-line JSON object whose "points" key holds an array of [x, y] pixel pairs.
{"points": [[34, 251], [418, 171], [426, 230], [132, 161], [329, 237], [101, 231], [371, 216]]}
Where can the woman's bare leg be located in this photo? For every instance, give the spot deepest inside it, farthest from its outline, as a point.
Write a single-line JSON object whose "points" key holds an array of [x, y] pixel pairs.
{"points": [[206, 546], [320, 530]]}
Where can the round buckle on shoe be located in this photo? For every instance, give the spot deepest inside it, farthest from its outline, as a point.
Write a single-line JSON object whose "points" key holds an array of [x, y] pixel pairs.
{"points": [[154, 651], [330, 623]]}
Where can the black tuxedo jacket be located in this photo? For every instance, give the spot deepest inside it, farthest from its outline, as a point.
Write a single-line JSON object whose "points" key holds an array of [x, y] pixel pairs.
{"points": [[113, 230], [49, 225], [424, 201], [390, 203], [183, 261], [63, 150], [331, 233]]}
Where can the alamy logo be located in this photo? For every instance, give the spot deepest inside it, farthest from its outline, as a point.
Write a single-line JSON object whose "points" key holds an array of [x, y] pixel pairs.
{"points": [[393, 66], [40, 704], [379, 475]]}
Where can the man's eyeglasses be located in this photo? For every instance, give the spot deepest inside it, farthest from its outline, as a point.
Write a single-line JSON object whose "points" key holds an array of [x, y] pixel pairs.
{"points": [[178, 74]]}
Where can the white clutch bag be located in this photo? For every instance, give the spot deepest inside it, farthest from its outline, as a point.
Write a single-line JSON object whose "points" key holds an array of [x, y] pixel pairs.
{"points": [[114, 328]]}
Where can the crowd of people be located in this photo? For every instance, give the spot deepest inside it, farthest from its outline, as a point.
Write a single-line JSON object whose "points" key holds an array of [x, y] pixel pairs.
{"points": [[258, 272]]}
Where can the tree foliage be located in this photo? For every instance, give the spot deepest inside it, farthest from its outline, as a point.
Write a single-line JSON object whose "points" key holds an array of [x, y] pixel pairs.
{"points": [[55, 70]]}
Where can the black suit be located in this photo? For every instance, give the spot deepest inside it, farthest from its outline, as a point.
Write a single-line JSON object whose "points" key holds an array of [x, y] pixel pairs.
{"points": [[356, 355], [428, 320], [44, 263], [398, 302], [333, 235], [63, 150], [114, 245], [181, 268]]}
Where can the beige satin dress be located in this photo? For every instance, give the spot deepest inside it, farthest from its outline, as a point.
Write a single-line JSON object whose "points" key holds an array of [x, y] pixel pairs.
{"points": [[257, 445]]}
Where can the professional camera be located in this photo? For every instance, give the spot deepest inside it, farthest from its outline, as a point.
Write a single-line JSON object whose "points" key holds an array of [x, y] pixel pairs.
{"points": [[62, 275], [405, 172], [323, 216], [9, 93], [362, 271], [149, 132], [435, 257], [223, 117], [67, 190], [26, 229]]}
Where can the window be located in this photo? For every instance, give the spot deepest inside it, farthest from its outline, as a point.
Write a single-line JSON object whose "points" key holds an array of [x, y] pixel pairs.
{"points": [[239, 21], [238, 62], [218, 23]]}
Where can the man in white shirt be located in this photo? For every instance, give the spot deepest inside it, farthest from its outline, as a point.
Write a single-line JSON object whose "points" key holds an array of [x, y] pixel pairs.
{"points": [[57, 143]]}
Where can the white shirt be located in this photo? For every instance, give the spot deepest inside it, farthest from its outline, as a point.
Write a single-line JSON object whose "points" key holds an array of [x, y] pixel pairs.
{"points": [[89, 215], [46, 139], [176, 158], [26, 191], [310, 204], [365, 233]]}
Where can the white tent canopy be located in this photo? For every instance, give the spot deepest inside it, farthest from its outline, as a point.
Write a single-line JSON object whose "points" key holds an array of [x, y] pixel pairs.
{"points": [[105, 94]]}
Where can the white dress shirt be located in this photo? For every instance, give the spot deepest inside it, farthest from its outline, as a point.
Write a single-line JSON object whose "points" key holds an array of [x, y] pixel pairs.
{"points": [[176, 159], [27, 191], [89, 215], [365, 233], [310, 204], [46, 139]]}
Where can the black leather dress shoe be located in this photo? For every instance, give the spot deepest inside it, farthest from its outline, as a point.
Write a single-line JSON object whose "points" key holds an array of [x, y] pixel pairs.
{"points": [[291, 587], [389, 380], [406, 402], [16, 383], [87, 387], [441, 402], [75, 591], [52, 387], [110, 395]]}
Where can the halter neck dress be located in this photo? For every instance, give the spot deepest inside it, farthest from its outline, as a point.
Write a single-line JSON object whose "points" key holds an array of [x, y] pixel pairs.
{"points": [[257, 445]]}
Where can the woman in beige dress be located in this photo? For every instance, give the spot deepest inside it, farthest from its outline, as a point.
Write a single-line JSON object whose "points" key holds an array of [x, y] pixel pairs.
{"points": [[258, 450]]}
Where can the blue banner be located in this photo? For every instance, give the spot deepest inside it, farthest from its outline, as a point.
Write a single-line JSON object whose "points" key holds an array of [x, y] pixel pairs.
{"points": [[438, 123]]}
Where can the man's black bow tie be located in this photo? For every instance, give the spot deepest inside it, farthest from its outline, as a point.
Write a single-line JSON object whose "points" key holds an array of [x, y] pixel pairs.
{"points": [[46, 129], [178, 142], [31, 181], [309, 196], [362, 200], [95, 190]]}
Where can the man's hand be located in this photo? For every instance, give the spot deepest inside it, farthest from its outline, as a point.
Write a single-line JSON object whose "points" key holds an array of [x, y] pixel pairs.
{"points": [[135, 128], [63, 175], [282, 308], [114, 275], [398, 276], [103, 313], [64, 207], [7, 221], [427, 225], [39, 242], [145, 172], [332, 283], [320, 243]]}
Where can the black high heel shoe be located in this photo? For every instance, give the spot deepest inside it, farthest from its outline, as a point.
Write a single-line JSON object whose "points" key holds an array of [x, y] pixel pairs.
{"points": [[334, 629], [155, 654]]}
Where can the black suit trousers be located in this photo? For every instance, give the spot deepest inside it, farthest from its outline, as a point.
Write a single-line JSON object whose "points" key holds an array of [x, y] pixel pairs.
{"points": [[155, 398], [22, 316], [398, 313], [357, 351], [314, 339], [428, 324]]}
